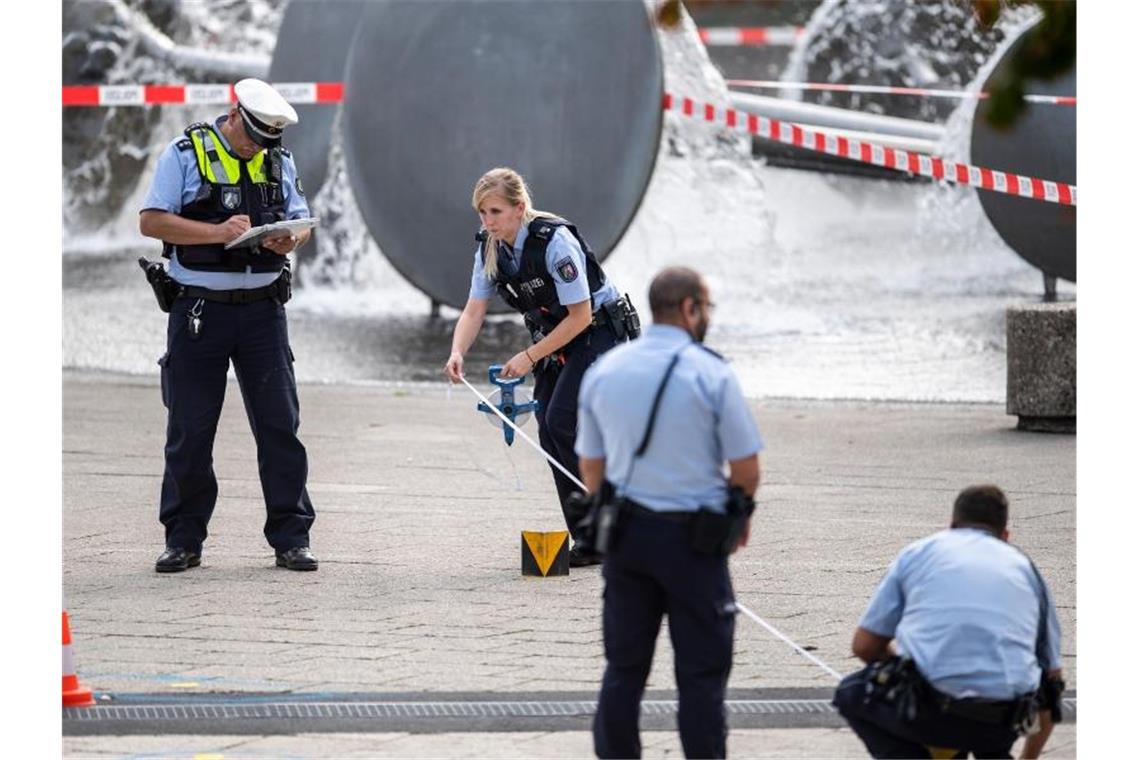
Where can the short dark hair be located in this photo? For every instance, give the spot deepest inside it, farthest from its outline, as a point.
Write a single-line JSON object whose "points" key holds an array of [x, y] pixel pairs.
{"points": [[670, 287], [984, 505]]}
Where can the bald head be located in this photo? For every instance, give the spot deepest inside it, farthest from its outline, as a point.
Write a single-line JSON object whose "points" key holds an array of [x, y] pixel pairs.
{"points": [[678, 296], [669, 288]]}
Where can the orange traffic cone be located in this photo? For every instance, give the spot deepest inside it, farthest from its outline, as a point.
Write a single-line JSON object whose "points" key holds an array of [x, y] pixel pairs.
{"points": [[74, 695]]}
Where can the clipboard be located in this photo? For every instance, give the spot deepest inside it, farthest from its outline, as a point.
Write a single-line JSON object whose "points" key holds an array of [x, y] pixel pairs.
{"points": [[255, 235]]}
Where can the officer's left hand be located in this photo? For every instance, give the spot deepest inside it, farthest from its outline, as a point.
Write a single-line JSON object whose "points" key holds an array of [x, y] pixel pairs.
{"points": [[281, 245], [518, 366]]}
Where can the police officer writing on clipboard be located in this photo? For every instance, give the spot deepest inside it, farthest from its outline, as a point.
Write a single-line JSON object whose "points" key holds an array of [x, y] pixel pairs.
{"points": [[658, 419], [540, 266], [210, 186], [962, 643]]}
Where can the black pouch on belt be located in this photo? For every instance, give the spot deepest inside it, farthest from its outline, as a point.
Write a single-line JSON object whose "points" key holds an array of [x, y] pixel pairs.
{"points": [[164, 287], [284, 285], [718, 533], [713, 533]]}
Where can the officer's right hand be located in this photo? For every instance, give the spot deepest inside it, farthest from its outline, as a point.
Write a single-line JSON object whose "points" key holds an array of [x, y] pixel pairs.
{"points": [[233, 228], [743, 536], [454, 367]]}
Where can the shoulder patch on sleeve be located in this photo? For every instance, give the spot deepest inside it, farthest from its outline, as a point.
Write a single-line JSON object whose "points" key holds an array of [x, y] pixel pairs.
{"points": [[566, 269], [300, 188]]}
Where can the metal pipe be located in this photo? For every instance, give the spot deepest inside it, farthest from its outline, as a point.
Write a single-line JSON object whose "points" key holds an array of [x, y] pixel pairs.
{"points": [[913, 144], [873, 127], [157, 44]]}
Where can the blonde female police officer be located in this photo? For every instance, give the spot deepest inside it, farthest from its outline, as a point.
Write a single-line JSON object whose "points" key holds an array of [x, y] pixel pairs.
{"points": [[540, 266], [210, 186]]}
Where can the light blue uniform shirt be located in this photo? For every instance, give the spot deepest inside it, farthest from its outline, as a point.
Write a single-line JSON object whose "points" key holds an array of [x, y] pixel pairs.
{"points": [[562, 246], [703, 420], [963, 605], [175, 184]]}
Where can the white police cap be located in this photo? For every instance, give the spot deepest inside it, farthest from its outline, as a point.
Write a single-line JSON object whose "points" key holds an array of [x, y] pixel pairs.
{"points": [[264, 112]]}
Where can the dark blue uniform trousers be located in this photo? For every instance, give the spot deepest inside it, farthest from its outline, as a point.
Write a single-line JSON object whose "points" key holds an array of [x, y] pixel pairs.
{"points": [[886, 734], [556, 390], [652, 572], [255, 338]]}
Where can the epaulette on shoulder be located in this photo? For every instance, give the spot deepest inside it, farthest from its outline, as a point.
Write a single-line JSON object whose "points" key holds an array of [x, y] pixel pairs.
{"points": [[197, 126], [544, 227], [183, 143], [708, 350], [284, 152], [481, 236]]}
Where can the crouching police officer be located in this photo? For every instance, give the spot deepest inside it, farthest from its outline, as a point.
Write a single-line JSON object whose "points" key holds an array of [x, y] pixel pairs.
{"points": [[976, 656], [210, 186], [658, 417]]}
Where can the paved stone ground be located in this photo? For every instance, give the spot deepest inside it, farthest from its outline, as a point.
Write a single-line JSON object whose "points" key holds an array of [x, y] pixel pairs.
{"points": [[772, 742], [419, 515]]}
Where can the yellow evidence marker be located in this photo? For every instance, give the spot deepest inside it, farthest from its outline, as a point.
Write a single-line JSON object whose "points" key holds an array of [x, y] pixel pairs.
{"points": [[545, 554]]}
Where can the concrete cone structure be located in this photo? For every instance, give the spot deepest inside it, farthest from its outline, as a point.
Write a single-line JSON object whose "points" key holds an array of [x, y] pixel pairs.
{"points": [[74, 695]]}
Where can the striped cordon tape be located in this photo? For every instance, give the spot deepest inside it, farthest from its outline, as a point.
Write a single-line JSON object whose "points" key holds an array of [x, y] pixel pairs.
{"points": [[192, 94], [879, 155], [785, 132], [770, 84], [732, 36]]}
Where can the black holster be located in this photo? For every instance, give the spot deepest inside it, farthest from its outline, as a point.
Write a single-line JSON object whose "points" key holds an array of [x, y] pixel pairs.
{"points": [[623, 318], [718, 533], [284, 285], [597, 518], [165, 288], [897, 681]]}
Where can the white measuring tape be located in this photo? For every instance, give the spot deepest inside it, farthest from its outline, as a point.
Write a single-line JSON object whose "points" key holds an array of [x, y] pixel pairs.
{"points": [[768, 626], [525, 437], [799, 650]]}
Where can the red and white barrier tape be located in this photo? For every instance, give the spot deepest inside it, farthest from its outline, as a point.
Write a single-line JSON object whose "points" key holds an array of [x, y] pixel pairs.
{"points": [[786, 132], [879, 155], [731, 36], [193, 94], [768, 84]]}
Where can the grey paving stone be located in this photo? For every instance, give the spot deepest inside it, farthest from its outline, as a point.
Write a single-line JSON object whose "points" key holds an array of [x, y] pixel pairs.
{"points": [[418, 522]]}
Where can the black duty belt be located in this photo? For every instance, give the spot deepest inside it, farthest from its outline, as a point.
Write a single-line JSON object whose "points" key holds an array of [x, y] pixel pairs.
{"points": [[241, 295], [981, 710], [677, 517]]}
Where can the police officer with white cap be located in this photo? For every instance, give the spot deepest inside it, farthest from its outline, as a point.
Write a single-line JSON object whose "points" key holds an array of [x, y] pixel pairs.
{"points": [[658, 419], [210, 186]]}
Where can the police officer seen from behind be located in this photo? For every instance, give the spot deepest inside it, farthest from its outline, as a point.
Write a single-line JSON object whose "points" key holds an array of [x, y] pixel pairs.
{"points": [[540, 266], [210, 186], [962, 643], [658, 419]]}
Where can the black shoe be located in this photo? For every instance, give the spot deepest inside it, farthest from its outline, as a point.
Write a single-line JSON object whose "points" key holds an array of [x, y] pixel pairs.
{"points": [[297, 558], [580, 557], [175, 559]]}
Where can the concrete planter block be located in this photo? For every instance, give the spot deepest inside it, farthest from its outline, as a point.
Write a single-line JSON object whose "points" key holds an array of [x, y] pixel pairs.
{"points": [[1041, 366]]}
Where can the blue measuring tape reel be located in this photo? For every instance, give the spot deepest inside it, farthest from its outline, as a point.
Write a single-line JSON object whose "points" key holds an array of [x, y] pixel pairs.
{"points": [[514, 402]]}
